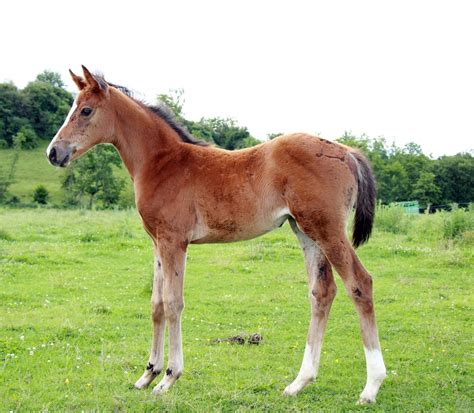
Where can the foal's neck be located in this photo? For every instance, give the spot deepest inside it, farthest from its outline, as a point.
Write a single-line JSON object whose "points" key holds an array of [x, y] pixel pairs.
{"points": [[140, 136]]}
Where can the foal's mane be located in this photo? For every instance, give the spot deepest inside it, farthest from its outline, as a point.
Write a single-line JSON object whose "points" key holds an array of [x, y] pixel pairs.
{"points": [[161, 110]]}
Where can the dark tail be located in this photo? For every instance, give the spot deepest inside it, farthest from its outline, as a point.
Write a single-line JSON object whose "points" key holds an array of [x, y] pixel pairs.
{"points": [[366, 198]]}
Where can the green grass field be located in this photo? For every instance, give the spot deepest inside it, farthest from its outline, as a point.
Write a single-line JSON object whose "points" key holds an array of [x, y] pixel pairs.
{"points": [[75, 328]]}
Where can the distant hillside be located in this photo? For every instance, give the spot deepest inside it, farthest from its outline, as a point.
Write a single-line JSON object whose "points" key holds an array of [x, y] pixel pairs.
{"points": [[33, 169]]}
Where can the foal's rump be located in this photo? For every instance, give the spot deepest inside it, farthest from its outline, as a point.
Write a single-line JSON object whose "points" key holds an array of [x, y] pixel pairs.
{"points": [[322, 181]]}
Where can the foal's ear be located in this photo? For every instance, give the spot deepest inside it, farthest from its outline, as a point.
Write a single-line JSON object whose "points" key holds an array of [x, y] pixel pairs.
{"points": [[79, 81], [95, 85]]}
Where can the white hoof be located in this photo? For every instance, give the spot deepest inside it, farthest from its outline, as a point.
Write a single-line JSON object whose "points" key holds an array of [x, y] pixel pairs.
{"points": [[365, 400], [298, 384], [165, 383], [290, 391], [147, 377]]}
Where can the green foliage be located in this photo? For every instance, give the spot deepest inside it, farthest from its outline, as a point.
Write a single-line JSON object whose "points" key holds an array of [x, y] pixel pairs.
{"points": [[407, 174], [425, 189], [457, 222], [47, 107], [455, 177], [52, 78], [37, 111], [225, 133], [7, 175], [271, 136], [26, 138], [391, 219], [91, 178], [174, 99], [41, 195], [13, 113]]}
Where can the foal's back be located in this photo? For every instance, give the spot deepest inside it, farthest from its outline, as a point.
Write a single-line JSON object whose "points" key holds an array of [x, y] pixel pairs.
{"points": [[242, 194]]}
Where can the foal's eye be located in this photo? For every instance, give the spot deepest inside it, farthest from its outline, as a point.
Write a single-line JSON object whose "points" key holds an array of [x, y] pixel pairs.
{"points": [[86, 111]]}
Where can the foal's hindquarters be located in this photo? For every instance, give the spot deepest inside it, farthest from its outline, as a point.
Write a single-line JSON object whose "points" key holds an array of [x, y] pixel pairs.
{"points": [[340, 178]]}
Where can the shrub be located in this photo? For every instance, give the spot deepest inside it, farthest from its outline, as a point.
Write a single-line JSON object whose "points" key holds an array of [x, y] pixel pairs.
{"points": [[457, 222], [392, 218], [41, 195]]}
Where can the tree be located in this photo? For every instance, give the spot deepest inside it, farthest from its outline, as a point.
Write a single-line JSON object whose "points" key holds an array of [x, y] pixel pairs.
{"points": [[425, 189], [13, 113], [174, 99], [455, 177], [26, 138], [223, 132], [52, 78], [47, 106], [91, 178], [271, 136]]}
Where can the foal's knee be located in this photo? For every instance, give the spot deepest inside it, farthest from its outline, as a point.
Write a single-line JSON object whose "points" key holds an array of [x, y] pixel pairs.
{"points": [[157, 310], [173, 308]]}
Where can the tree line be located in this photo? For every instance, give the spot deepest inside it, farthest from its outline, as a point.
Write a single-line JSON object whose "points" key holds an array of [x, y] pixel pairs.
{"points": [[406, 173], [34, 114]]}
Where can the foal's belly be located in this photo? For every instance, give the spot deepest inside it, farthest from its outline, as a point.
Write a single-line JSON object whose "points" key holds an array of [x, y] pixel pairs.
{"points": [[212, 229]]}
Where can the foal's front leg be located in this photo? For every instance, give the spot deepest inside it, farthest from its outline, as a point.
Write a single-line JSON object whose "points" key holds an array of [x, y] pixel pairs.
{"points": [[156, 360], [173, 256]]}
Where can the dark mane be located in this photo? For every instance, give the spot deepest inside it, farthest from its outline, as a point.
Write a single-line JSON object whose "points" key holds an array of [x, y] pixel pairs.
{"points": [[161, 110]]}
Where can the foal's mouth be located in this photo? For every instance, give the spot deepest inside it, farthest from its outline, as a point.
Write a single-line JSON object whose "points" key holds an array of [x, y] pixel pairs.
{"points": [[65, 161]]}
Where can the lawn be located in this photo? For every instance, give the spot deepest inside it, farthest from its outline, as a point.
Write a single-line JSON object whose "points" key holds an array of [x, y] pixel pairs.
{"points": [[75, 328]]}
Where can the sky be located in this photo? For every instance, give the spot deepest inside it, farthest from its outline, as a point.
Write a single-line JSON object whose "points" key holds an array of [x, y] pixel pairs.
{"points": [[403, 70]]}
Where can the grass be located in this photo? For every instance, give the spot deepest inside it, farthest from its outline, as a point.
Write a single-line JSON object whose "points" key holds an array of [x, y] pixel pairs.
{"points": [[75, 328]]}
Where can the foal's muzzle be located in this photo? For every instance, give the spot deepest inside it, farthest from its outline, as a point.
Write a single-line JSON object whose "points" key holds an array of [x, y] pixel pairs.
{"points": [[60, 154]]}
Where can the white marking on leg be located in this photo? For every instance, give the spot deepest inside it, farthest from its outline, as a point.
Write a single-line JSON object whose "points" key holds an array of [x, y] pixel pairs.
{"points": [[376, 373], [156, 360], [308, 370]]}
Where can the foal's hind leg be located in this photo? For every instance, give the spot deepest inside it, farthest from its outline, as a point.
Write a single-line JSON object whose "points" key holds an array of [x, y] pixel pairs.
{"points": [[156, 360], [358, 283], [322, 290]]}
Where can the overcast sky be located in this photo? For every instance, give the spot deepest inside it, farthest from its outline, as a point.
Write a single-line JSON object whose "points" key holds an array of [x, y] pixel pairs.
{"points": [[399, 69]]}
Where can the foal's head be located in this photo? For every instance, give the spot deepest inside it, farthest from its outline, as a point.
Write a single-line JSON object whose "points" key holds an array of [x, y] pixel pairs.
{"points": [[89, 122]]}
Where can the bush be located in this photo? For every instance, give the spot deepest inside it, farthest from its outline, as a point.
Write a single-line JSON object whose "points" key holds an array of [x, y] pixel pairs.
{"points": [[457, 222], [26, 138], [41, 195], [392, 218], [14, 200]]}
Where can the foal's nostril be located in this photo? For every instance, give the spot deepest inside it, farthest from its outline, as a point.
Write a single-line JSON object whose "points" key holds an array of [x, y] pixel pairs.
{"points": [[52, 155]]}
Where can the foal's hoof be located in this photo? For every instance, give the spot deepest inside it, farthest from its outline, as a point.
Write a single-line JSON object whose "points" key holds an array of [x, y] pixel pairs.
{"points": [[290, 391], [146, 378], [166, 382], [365, 400]]}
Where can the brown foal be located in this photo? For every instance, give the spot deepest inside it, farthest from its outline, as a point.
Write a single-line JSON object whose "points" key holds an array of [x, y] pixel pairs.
{"points": [[189, 192]]}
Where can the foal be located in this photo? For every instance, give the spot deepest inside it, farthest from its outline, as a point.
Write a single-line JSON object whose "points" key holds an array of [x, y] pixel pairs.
{"points": [[189, 192]]}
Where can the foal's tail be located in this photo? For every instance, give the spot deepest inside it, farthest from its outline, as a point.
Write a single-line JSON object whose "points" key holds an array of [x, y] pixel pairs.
{"points": [[366, 198]]}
